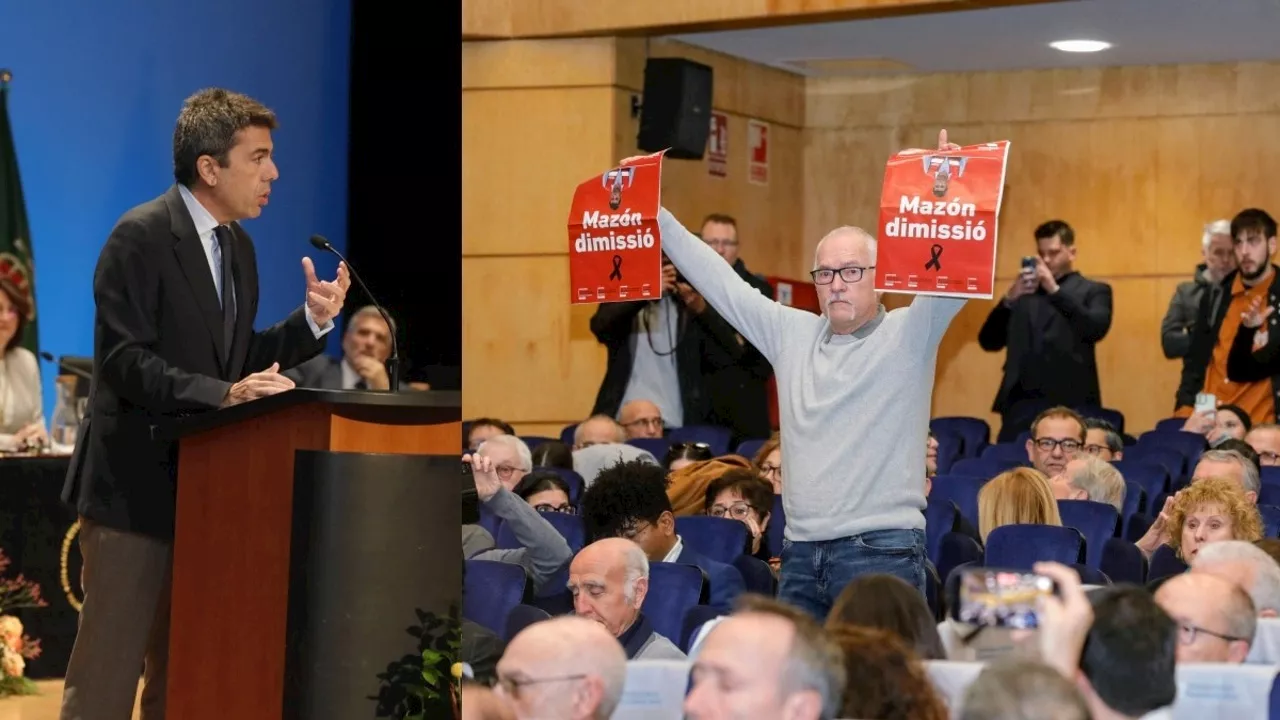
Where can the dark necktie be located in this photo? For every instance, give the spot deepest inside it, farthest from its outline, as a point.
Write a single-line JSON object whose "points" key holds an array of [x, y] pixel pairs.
{"points": [[223, 233]]}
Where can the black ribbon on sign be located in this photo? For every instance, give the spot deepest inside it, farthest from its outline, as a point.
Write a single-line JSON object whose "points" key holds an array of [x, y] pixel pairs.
{"points": [[617, 268], [935, 254]]}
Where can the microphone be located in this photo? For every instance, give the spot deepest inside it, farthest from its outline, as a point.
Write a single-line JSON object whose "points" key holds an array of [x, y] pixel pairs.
{"points": [[67, 368], [393, 362]]}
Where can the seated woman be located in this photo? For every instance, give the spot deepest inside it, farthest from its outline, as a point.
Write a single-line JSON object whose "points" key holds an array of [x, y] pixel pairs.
{"points": [[545, 491], [885, 680], [21, 405], [1209, 510], [887, 602], [741, 495], [687, 487], [768, 462], [1021, 496], [682, 455], [1226, 423]]}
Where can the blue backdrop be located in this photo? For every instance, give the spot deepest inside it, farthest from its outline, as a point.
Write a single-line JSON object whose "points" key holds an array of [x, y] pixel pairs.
{"points": [[95, 92]]}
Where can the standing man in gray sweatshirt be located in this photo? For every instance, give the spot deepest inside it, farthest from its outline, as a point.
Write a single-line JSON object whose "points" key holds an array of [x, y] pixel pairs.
{"points": [[854, 392]]}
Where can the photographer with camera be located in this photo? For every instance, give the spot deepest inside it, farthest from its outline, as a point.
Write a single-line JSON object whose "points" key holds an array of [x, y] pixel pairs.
{"points": [[1050, 320]]}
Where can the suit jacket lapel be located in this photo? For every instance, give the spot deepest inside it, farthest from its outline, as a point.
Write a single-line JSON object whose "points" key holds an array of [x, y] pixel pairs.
{"points": [[195, 265]]}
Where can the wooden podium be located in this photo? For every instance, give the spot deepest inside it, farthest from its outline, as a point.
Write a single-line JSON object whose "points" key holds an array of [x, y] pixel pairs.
{"points": [[311, 526]]}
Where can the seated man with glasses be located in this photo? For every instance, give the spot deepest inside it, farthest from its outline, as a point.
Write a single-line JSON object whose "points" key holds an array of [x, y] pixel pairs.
{"points": [[568, 668], [1265, 440], [1102, 440], [1215, 618], [641, 419], [1057, 434]]}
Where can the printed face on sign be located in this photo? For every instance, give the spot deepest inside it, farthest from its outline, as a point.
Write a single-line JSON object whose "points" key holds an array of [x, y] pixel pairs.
{"points": [[614, 180], [844, 278], [941, 167]]}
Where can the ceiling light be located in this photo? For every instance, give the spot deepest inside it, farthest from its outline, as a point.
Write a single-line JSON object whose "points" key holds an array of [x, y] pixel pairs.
{"points": [[1080, 46]]}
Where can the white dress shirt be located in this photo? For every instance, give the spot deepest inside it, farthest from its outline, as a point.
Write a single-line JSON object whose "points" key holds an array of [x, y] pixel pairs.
{"points": [[675, 550], [205, 227]]}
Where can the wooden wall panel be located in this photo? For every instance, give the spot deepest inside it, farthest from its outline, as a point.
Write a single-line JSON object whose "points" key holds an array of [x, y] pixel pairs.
{"points": [[483, 19], [538, 118], [1137, 159]]}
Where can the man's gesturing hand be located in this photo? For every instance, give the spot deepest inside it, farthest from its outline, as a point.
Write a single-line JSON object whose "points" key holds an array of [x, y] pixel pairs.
{"points": [[487, 482], [259, 384], [324, 299]]}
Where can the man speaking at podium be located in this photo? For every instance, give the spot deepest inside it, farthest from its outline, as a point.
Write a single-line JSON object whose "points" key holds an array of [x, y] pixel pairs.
{"points": [[176, 292]]}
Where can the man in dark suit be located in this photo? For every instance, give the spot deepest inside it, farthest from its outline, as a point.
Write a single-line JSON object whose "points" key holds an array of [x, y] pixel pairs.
{"points": [[176, 294], [366, 345], [1050, 321], [629, 500]]}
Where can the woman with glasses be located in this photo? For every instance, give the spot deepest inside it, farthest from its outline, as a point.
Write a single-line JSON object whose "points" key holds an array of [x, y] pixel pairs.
{"points": [[744, 496], [768, 461], [546, 492]]}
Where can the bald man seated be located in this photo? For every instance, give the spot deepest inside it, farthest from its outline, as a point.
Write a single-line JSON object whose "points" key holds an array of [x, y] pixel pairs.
{"points": [[1215, 618], [641, 419], [609, 580], [567, 668], [1246, 565]]}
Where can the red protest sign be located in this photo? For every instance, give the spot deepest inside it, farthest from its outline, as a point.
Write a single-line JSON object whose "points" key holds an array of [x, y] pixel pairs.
{"points": [[938, 213], [615, 251]]}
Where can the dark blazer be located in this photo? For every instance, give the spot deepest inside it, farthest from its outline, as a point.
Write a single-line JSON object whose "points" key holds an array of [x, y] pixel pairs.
{"points": [[322, 372], [158, 355], [1050, 341], [706, 343], [1243, 365], [726, 582], [739, 394]]}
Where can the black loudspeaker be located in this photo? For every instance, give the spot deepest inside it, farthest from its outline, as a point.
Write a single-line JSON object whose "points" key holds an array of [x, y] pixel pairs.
{"points": [[676, 109]]}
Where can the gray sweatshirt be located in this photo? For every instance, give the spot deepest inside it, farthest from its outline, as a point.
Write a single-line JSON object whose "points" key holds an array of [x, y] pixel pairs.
{"points": [[854, 409]]}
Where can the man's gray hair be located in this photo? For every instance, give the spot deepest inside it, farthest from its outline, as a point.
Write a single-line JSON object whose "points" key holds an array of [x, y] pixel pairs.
{"points": [[1012, 688], [849, 229], [815, 662], [1265, 591], [637, 565], [1101, 481], [514, 443], [371, 311], [1217, 227], [1252, 479]]}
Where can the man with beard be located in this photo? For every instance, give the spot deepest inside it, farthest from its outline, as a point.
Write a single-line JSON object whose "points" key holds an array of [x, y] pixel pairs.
{"points": [[366, 345], [1254, 285]]}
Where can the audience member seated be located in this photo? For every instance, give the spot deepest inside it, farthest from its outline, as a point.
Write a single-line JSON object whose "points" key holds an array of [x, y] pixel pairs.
{"points": [[1265, 440], [687, 487], [1227, 422], [1249, 567], [740, 494], [544, 550], [766, 661], [1022, 690], [366, 345], [545, 491], [590, 461], [609, 580], [484, 428], [1088, 477], [682, 455], [888, 603], [1221, 462], [598, 430], [1056, 435], [1102, 440], [768, 461], [511, 458], [1215, 618], [1208, 510], [566, 668], [1021, 496], [629, 500], [641, 419], [552, 454], [21, 404], [883, 678], [1127, 665]]}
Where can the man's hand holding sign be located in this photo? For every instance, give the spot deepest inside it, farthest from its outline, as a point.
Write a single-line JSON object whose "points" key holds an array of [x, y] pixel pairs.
{"points": [[938, 213], [849, 511]]}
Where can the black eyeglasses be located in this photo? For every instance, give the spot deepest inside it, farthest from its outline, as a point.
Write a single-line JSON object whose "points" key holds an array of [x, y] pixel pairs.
{"points": [[851, 274], [1048, 444], [546, 507]]}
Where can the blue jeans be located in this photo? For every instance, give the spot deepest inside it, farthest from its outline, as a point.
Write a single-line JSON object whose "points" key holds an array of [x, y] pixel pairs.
{"points": [[814, 573]]}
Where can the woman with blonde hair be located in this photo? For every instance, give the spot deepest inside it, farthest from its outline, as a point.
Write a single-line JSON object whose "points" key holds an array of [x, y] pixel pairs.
{"points": [[1022, 496], [1209, 510]]}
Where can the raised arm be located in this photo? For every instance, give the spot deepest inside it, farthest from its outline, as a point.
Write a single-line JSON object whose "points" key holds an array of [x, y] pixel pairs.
{"points": [[754, 316]]}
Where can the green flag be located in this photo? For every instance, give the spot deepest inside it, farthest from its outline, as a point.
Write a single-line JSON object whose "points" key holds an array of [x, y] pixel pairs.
{"points": [[16, 261]]}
